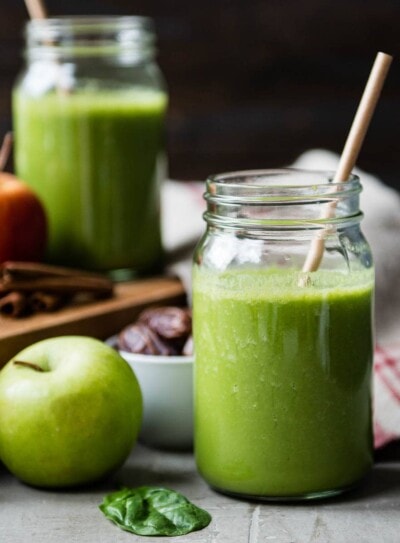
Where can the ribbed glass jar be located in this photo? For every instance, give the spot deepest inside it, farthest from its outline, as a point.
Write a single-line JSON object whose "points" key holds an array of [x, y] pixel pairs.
{"points": [[89, 114], [283, 357]]}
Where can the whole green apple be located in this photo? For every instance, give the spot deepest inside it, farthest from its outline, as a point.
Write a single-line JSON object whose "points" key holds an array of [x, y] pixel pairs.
{"points": [[70, 412]]}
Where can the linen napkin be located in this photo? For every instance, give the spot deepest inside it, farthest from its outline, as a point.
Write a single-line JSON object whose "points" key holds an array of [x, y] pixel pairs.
{"points": [[183, 204]]}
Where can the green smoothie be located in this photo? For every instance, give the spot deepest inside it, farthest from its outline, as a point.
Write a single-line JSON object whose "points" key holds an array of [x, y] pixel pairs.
{"points": [[95, 158], [282, 381]]}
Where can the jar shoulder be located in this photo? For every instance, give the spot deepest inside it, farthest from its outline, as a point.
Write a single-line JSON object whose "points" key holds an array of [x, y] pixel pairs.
{"points": [[42, 76], [345, 250]]}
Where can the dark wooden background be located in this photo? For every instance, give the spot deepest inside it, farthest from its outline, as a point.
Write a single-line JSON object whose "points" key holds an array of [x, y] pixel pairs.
{"points": [[253, 83]]}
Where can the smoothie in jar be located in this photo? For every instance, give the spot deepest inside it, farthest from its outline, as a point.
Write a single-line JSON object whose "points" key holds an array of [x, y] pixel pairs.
{"points": [[96, 161], [89, 118], [283, 357], [282, 381]]}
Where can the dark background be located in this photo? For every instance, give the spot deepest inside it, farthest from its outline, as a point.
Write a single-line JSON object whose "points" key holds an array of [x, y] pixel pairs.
{"points": [[253, 83]]}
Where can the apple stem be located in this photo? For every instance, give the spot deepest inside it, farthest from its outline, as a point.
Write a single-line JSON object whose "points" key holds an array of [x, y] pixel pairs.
{"points": [[5, 150], [28, 365]]}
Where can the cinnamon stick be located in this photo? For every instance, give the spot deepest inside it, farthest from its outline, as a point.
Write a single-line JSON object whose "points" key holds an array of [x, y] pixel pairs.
{"points": [[32, 277], [31, 287], [38, 269], [46, 302], [66, 285], [14, 304]]}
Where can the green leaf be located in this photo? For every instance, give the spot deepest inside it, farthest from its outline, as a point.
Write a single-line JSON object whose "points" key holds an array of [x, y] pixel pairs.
{"points": [[154, 511]]}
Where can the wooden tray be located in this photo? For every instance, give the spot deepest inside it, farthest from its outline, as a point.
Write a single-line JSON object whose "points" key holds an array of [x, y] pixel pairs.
{"points": [[99, 319]]}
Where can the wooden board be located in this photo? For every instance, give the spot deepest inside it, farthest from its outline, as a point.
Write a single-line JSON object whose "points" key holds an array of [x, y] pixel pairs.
{"points": [[99, 319]]}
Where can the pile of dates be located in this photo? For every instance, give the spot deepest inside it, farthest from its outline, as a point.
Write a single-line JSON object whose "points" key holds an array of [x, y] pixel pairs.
{"points": [[163, 331]]}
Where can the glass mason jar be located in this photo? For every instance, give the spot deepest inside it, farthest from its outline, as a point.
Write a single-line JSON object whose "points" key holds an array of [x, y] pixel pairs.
{"points": [[283, 356], [88, 116]]}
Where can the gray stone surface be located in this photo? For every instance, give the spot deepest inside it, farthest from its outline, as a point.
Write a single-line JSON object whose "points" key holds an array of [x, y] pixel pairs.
{"points": [[368, 515]]}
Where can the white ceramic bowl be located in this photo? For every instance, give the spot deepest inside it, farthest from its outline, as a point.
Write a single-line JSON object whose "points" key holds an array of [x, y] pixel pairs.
{"points": [[167, 388]]}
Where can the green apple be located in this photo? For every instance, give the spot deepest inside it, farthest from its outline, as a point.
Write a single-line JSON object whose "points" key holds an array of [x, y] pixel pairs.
{"points": [[70, 412]]}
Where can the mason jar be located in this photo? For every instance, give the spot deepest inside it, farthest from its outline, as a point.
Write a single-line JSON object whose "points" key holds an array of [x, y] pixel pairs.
{"points": [[88, 114], [283, 350]]}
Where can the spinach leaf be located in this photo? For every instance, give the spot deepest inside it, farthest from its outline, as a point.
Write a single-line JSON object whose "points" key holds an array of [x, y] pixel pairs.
{"points": [[154, 511]]}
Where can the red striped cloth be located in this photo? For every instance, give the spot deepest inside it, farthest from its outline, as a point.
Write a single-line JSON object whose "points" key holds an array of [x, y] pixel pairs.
{"points": [[386, 394]]}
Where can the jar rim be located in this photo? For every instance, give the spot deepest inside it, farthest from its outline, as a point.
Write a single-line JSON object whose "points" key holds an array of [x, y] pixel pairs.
{"points": [[89, 34], [85, 22], [282, 198], [286, 183]]}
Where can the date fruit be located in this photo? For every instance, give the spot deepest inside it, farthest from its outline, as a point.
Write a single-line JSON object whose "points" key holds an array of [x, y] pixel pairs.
{"points": [[158, 331]]}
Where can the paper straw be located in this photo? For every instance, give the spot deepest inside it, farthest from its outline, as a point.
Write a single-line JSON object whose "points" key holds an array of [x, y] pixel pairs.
{"points": [[352, 147]]}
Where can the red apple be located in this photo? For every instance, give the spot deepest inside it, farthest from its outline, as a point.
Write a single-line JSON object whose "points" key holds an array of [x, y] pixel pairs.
{"points": [[23, 225]]}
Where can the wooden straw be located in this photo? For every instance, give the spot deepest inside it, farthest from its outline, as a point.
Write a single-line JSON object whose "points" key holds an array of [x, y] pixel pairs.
{"points": [[36, 9], [5, 150], [352, 147]]}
